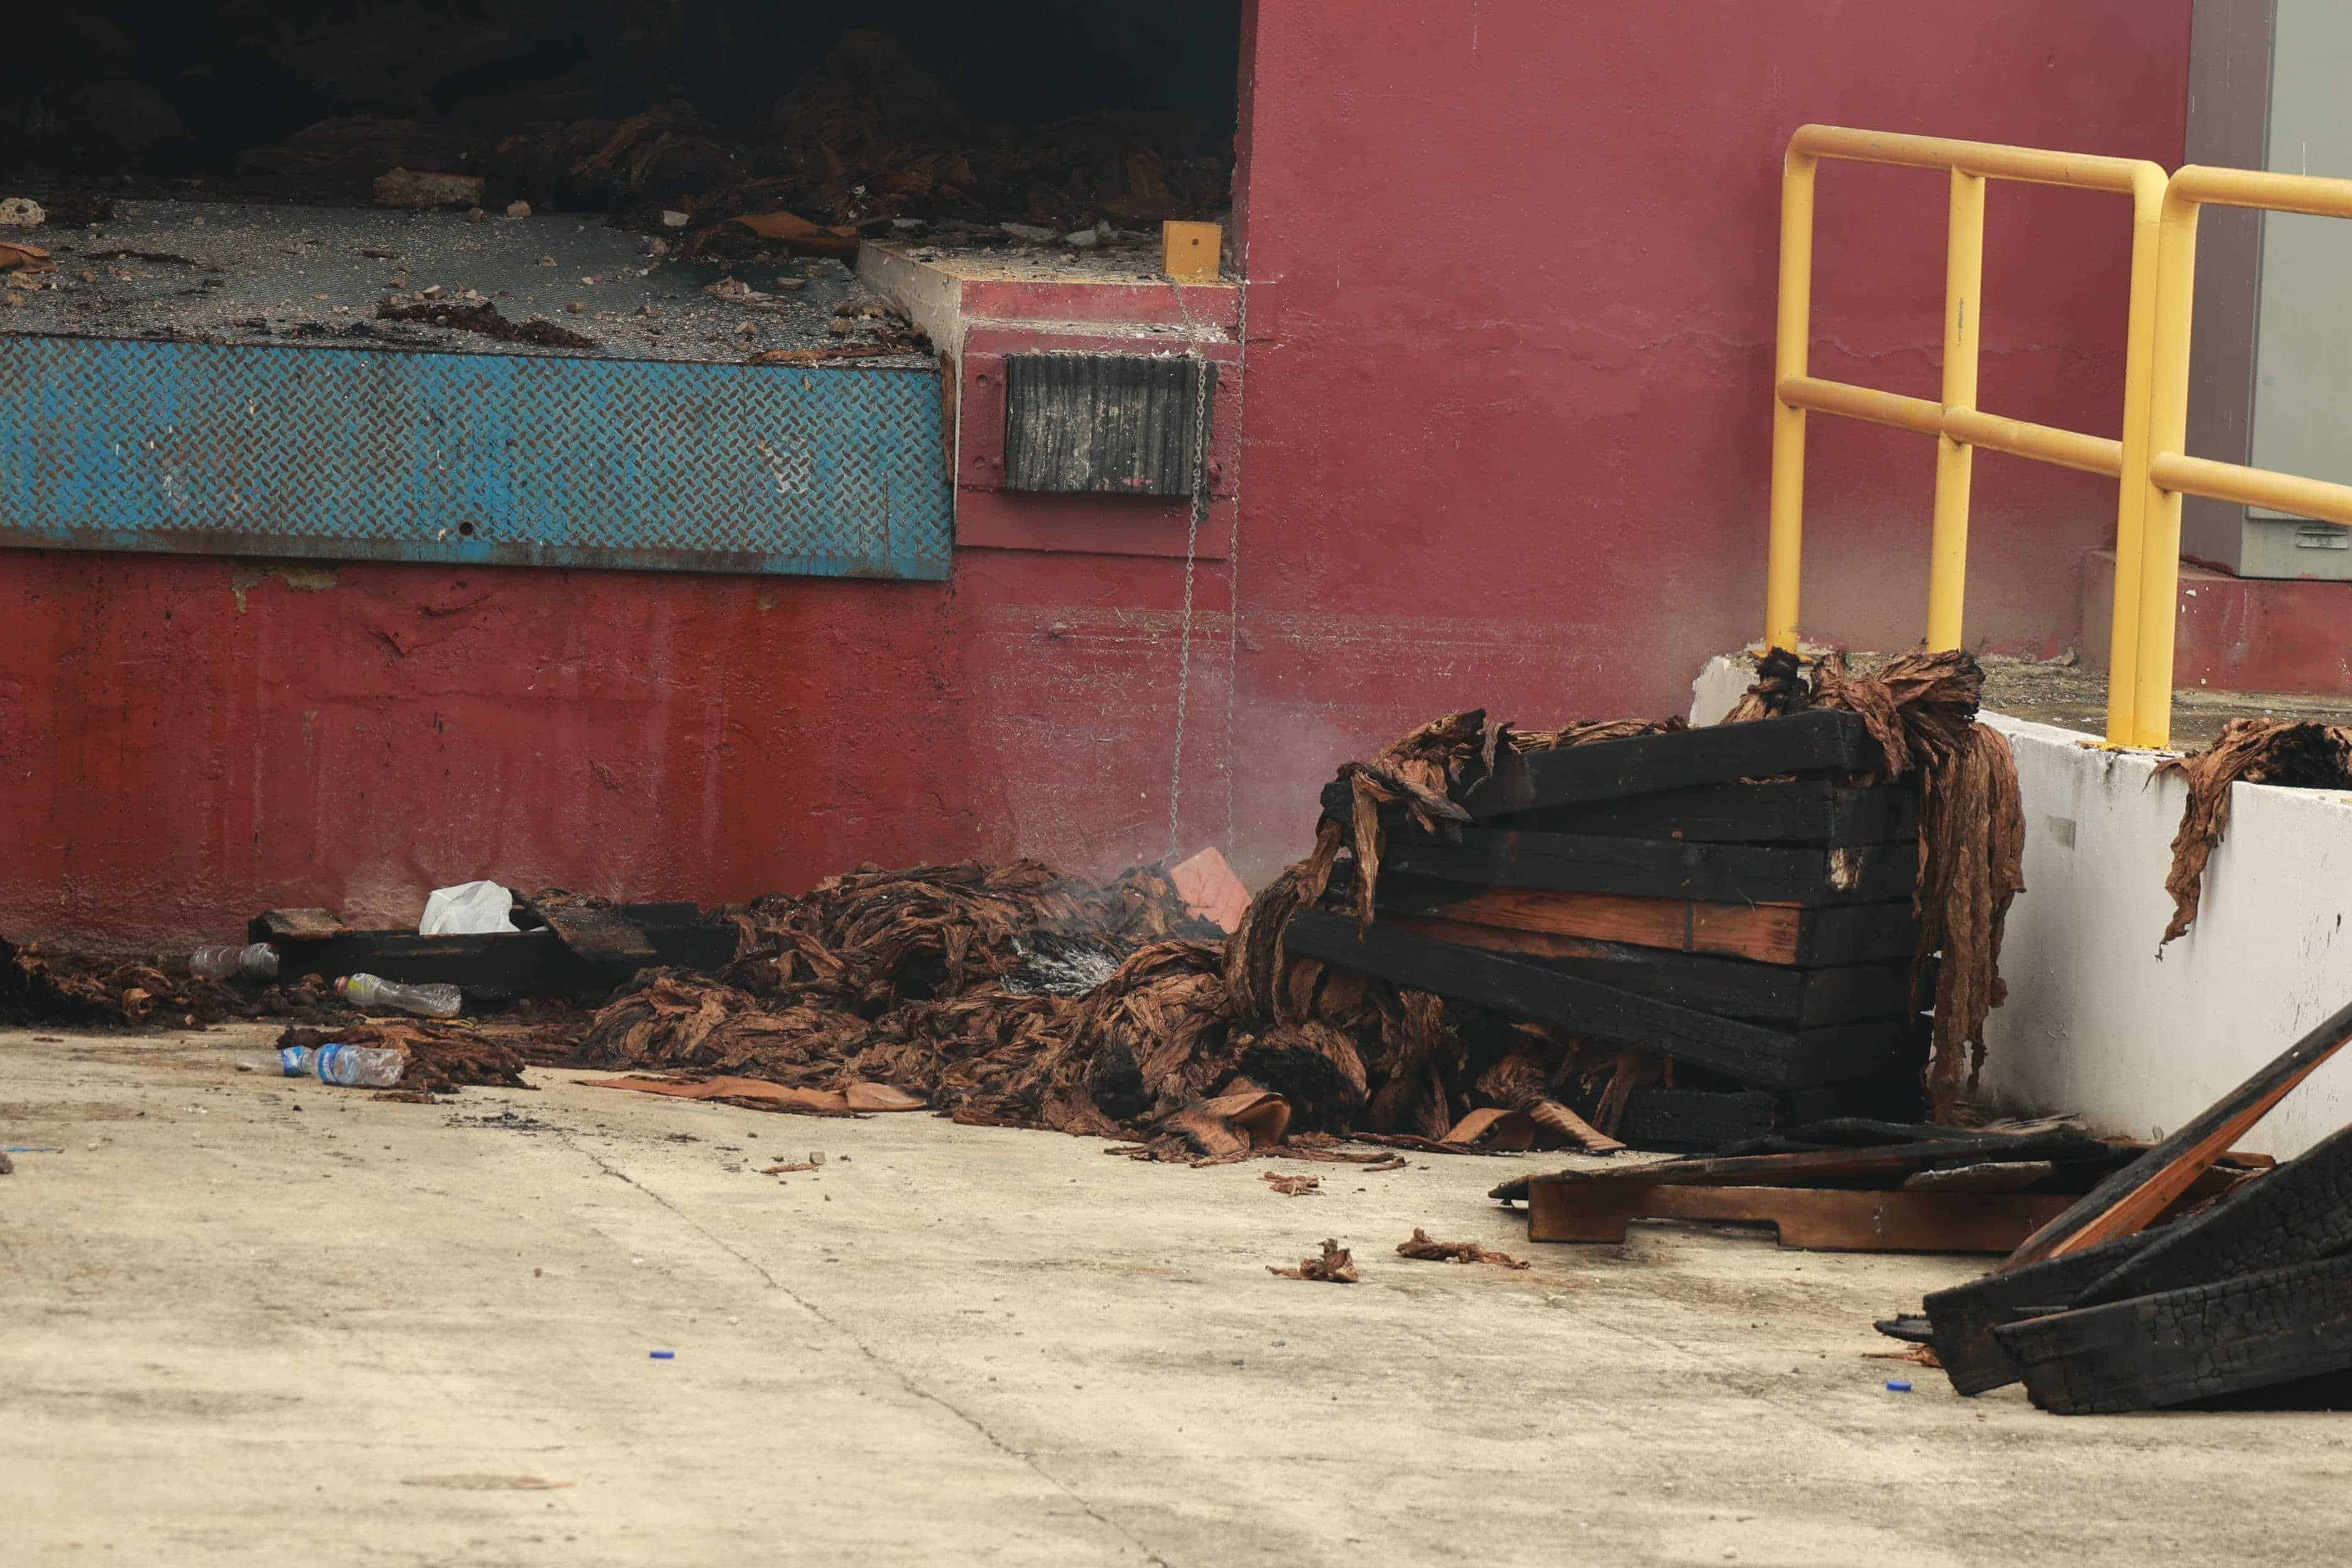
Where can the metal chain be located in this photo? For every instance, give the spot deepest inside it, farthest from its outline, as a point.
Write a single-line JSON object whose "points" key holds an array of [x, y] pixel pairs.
{"points": [[1198, 511]]}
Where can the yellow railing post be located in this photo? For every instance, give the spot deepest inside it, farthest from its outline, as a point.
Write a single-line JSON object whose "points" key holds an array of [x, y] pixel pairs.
{"points": [[2159, 575], [1790, 355], [1947, 561], [2132, 495]]}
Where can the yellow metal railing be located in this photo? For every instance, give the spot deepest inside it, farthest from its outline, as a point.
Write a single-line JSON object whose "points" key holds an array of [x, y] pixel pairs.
{"points": [[1955, 422], [2171, 473]]}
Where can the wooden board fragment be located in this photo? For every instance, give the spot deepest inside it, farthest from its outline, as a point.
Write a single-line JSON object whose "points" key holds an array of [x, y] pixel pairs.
{"points": [[1818, 740], [1763, 934], [1651, 867], [1823, 1219]]}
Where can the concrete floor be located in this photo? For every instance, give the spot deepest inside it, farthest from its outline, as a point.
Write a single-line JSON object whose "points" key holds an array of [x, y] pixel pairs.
{"points": [[247, 1322]]}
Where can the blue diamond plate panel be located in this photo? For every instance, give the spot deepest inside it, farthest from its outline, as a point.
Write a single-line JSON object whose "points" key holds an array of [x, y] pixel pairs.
{"points": [[478, 458]]}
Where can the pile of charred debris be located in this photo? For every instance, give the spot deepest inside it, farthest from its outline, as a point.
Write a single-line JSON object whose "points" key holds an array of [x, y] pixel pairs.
{"points": [[432, 106]]}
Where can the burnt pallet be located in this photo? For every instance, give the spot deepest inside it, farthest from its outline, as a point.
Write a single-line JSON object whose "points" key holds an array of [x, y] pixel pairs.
{"points": [[2247, 1331], [1765, 993], [1656, 867], [1752, 1053], [1818, 740], [1822, 937]]}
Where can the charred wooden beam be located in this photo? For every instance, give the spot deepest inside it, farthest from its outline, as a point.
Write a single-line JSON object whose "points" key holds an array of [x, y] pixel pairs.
{"points": [[1818, 740]]}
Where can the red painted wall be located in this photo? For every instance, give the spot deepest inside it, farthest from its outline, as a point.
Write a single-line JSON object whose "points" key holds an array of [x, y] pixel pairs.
{"points": [[1504, 444], [1513, 268], [173, 761]]}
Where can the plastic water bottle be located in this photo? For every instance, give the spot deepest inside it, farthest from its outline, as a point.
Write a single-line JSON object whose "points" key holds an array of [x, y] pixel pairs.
{"points": [[224, 959], [368, 991], [287, 1061], [364, 1067]]}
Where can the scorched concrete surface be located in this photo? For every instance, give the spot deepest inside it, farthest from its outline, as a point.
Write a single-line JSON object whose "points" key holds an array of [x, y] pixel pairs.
{"points": [[258, 1321]]}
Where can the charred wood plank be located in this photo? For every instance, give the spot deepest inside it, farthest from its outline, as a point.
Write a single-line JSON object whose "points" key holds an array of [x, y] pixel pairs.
{"points": [[1818, 740], [1813, 1218], [1818, 937], [1818, 810], [1751, 1053], [2250, 1330], [2297, 1213], [1720, 873], [1768, 992], [1965, 1316]]}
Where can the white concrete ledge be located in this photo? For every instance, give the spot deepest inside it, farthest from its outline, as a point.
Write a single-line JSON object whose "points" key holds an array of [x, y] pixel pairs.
{"points": [[2097, 1021]]}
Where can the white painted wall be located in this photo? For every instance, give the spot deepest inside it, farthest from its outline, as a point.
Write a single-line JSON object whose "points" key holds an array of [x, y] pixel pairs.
{"points": [[2097, 1021]]}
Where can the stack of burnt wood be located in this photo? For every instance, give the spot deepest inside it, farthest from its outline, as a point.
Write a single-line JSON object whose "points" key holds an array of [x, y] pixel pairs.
{"points": [[1723, 916]]}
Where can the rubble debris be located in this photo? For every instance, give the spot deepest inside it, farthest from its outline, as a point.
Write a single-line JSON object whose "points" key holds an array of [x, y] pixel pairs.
{"points": [[103, 993], [17, 257], [22, 212], [1433, 1251], [1336, 1265], [518, 209], [821, 355], [479, 316], [734, 291], [343, 156], [1294, 1186], [2292, 754], [440, 1058], [420, 188]]}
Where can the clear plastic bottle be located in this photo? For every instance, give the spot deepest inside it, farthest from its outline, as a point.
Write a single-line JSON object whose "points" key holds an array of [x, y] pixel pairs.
{"points": [[287, 1061], [368, 991], [364, 1067], [222, 961]]}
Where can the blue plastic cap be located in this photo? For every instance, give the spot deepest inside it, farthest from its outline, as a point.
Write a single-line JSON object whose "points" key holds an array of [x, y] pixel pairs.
{"points": [[672, 1356], [1893, 1384]]}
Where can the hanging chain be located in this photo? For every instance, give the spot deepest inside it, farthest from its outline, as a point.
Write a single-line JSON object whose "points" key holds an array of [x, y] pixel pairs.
{"points": [[1197, 513]]}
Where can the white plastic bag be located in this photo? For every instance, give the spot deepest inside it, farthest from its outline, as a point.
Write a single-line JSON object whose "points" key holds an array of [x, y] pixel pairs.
{"points": [[469, 908]]}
